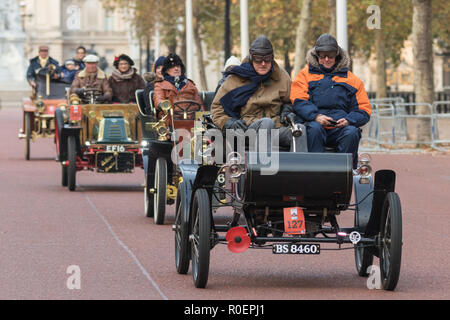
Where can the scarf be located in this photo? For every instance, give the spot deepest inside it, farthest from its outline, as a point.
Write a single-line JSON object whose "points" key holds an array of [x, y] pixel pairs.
{"points": [[234, 100], [178, 82], [43, 62], [119, 76]]}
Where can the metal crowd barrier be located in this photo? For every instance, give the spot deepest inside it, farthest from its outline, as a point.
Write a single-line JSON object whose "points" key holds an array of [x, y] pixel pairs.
{"points": [[439, 115], [390, 121]]}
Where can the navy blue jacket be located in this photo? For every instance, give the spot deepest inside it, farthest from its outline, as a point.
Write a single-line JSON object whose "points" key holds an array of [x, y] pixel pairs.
{"points": [[35, 69]]}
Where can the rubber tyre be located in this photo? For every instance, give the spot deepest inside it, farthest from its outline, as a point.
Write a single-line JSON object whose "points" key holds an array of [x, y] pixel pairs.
{"points": [[363, 257], [201, 237], [391, 241], [148, 200], [27, 135], [59, 122], [72, 168], [160, 196], [182, 244], [64, 176]]}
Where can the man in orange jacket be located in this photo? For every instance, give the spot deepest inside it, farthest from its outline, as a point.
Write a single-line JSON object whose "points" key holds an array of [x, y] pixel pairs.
{"points": [[330, 100]]}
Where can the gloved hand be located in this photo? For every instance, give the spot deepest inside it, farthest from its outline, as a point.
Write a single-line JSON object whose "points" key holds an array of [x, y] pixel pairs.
{"points": [[287, 114], [235, 124], [102, 99], [81, 92]]}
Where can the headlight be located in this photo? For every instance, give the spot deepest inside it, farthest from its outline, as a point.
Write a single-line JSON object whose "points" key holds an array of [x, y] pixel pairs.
{"points": [[364, 158], [235, 170], [144, 143]]}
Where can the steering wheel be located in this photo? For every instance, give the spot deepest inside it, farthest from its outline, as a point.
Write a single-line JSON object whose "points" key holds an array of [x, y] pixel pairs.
{"points": [[186, 110], [91, 95]]}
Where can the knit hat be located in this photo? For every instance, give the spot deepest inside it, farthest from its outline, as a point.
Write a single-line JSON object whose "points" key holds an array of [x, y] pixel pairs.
{"points": [[159, 62], [231, 61]]}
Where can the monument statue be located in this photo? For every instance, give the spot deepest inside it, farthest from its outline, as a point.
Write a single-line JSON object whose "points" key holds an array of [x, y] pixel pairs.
{"points": [[12, 40]]}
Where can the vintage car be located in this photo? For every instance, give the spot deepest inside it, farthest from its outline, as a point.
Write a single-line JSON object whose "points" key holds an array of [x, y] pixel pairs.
{"points": [[39, 111], [98, 137], [159, 139], [293, 210]]}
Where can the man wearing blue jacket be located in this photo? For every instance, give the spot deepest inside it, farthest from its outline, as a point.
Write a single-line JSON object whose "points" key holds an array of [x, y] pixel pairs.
{"points": [[330, 99], [41, 65]]}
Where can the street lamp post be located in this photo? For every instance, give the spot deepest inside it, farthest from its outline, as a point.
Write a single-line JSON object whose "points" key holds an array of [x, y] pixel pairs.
{"points": [[341, 24], [244, 29], [189, 39]]}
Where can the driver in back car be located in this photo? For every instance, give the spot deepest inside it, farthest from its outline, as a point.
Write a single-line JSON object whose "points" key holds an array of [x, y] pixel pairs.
{"points": [[91, 77], [175, 86]]}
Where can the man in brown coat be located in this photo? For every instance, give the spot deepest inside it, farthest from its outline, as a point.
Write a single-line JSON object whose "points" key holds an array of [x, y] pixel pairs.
{"points": [[254, 96], [92, 77]]}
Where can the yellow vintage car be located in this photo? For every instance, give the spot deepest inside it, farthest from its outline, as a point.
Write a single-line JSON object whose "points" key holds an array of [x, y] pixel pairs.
{"points": [[97, 137]]}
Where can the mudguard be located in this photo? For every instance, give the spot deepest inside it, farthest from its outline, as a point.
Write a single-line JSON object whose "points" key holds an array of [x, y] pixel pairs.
{"points": [[188, 171], [66, 132], [363, 200], [384, 183]]}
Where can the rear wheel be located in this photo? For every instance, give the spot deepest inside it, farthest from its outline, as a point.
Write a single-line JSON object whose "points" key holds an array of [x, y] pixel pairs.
{"points": [[182, 245], [27, 135], [200, 237], [391, 241], [160, 194], [72, 157]]}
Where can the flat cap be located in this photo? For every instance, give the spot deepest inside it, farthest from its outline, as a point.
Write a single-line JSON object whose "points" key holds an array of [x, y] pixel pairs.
{"points": [[91, 58]]}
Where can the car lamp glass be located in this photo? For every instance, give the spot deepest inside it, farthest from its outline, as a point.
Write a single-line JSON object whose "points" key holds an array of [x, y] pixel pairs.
{"points": [[364, 158], [144, 143], [235, 170], [87, 143]]}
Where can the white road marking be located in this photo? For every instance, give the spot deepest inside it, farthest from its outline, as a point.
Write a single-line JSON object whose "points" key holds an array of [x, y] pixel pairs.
{"points": [[141, 267]]}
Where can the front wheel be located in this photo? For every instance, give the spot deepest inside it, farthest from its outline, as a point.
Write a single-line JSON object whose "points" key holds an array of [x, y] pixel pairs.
{"points": [[182, 245], [391, 241], [72, 168], [200, 237], [160, 194], [148, 199]]}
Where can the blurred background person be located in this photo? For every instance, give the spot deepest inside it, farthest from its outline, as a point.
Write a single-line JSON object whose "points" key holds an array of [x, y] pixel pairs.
{"points": [[151, 77], [229, 64], [68, 71], [79, 56]]}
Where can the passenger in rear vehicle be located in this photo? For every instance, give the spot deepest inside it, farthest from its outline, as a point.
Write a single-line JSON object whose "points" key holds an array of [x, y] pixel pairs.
{"points": [[330, 99]]}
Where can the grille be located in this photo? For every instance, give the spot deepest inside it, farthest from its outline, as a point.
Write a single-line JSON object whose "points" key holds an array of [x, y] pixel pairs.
{"points": [[114, 162]]}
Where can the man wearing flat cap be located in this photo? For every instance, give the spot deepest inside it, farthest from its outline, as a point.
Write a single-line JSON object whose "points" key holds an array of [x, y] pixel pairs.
{"points": [[330, 99], [91, 77], [255, 96], [41, 65]]}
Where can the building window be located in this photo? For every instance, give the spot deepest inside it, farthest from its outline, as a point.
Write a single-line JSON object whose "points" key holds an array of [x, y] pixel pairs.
{"points": [[109, 20], [73, 21]]}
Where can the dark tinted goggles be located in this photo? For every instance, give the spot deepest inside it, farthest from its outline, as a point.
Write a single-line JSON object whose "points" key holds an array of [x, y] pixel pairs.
{"points": [[330, 55], [260, 59]]}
